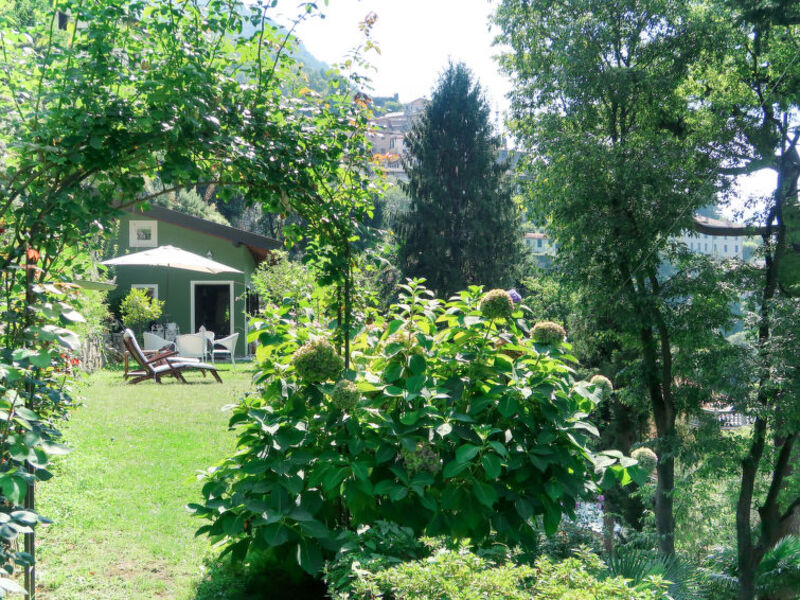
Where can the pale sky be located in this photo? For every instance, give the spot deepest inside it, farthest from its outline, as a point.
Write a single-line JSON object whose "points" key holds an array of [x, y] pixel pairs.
{"points": [[417, 38]]}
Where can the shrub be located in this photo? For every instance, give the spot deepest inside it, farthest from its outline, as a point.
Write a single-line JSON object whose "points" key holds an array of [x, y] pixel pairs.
{"points": [[604, 384], [455, 575], [464, 575], [584, 577], [282, 278], [345, 395], [454, 438], [646, 458], [683, 581], [377, 547]]}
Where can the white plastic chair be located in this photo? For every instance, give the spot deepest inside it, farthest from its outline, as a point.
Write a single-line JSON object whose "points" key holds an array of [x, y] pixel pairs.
{"points": [[191, 345], [155, 342], [209, 335], [228, 347], [172, 331]]}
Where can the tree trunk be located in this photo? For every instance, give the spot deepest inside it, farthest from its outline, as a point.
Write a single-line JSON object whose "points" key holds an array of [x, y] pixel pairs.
{"points": [[664, 417], [608, 529], [659, 385], [348, 307], [747, 555]]}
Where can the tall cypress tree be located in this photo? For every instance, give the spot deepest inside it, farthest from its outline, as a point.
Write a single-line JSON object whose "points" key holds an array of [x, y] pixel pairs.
{"points": [[463, 227]]}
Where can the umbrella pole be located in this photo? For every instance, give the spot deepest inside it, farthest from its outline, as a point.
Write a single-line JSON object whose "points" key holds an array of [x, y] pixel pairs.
{"points": [[246, 328], [165, 314]]}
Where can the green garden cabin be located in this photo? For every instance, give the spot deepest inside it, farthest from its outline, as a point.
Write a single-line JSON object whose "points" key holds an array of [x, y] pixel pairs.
{"points": [[217, 302]]}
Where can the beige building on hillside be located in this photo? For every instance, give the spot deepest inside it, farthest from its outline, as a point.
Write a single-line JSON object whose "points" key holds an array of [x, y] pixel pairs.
{"points": [[718, 246], [539, 243], [388, 137], [713, 237]]}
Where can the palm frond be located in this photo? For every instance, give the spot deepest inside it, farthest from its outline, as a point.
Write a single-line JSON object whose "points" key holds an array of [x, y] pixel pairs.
{"points": [[779, 570], [687, 582]]}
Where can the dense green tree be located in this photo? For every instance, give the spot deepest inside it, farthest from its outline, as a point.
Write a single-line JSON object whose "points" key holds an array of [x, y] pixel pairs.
{"points": [[463, 227], [617, 164], [751, 81]]}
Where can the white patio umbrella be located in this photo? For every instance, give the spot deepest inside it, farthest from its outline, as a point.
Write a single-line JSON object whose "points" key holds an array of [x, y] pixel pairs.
{"points": [[172, 257]]}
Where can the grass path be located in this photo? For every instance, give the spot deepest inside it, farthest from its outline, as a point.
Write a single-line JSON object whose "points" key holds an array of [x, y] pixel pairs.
{"points": [[121, 530]]}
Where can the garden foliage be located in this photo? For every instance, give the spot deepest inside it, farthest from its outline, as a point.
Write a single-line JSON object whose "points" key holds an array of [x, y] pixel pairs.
{"points": [[36, 355], [462, 426], [460, 574]]}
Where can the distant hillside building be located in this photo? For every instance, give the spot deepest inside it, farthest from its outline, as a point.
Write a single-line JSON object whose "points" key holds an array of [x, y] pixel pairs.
{"points": [[713, 237], [388, 137], [539, 243], [390, 129]]}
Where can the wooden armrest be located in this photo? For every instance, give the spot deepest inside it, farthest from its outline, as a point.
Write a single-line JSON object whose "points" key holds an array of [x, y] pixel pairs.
{"points": [[162, 356]]}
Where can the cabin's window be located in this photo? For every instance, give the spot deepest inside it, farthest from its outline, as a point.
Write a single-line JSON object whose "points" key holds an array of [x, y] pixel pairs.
{"points": [[143, 234], [151, 289]]}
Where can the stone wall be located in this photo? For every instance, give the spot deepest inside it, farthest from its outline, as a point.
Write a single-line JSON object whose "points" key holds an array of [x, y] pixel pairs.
{"points": [[100, 350]]}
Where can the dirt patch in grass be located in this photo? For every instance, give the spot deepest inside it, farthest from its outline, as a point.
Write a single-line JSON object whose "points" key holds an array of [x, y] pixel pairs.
{"points": [[132, 570]]}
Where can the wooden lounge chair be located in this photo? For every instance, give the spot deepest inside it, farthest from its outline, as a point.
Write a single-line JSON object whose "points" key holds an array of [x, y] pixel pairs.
{"points": [[159, 365]]}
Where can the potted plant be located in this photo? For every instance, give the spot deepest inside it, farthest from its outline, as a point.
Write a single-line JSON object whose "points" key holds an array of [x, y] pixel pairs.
{"points": [[139, 307]]}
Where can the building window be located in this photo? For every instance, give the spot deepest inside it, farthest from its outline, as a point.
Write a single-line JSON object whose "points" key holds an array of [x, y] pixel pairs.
{"points": [[151, 289], [143, 234], [63, 19], [706, 246], [539, 243], [736, 249], [726, 248]]}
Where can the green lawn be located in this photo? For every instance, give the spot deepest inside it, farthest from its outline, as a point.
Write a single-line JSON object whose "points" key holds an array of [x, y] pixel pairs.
{"points": [[121, 530]]}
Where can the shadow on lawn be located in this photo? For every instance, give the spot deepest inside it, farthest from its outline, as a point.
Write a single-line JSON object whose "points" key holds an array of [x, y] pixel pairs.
{"points": [[227, 581]]}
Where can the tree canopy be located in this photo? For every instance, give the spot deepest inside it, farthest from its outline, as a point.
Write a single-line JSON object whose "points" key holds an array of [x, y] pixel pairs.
{"points": [[617, 162], [634, 115], [462, 227]]}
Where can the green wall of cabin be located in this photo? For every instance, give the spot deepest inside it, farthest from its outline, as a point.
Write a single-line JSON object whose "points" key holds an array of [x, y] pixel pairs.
{"points": [[174, 285]]}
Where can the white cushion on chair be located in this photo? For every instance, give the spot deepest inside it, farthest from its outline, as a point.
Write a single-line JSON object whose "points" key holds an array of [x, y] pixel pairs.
{"points": [[191, 345]]}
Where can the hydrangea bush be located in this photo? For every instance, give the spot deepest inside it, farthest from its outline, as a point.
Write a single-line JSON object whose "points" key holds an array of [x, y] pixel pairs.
{"points": [[646, 458], [459, 574], [496, 304], [450, 422]]}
